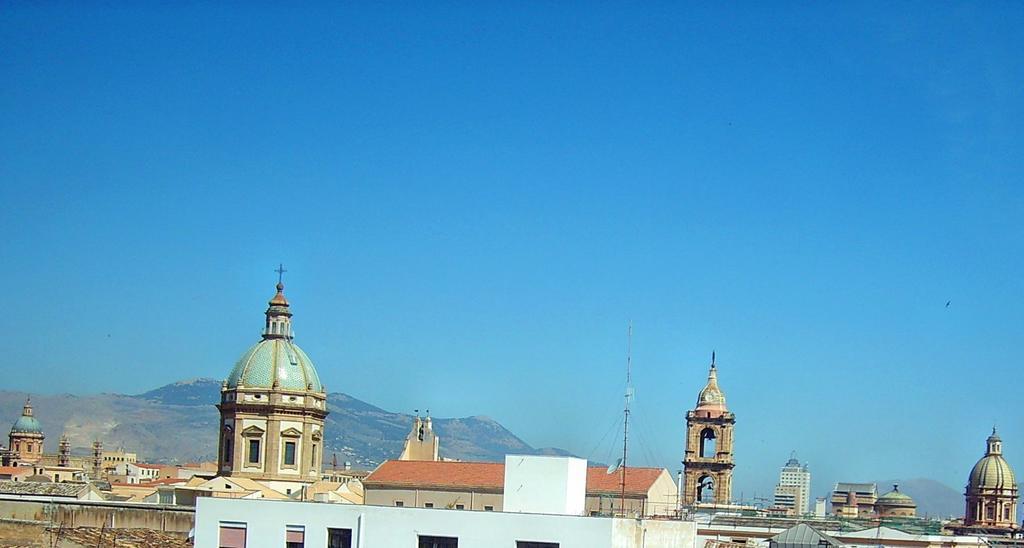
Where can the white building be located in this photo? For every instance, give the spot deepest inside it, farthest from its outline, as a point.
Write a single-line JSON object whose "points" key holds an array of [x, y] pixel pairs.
{"points": [[794, 489], [240, 523], [137, 472], [533, 486]]}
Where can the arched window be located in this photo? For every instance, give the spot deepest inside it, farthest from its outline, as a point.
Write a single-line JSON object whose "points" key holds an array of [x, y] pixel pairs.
{"points": [[707, 444], [705, 489]]}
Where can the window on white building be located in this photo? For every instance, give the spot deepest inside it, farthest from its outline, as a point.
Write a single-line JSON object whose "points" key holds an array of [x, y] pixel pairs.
{"points": [[438, 542], [339, 538], [295, 536], [232, 535]]}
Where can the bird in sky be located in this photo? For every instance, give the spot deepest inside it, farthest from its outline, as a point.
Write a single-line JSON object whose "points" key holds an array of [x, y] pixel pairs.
{"points": [[947, 303]]}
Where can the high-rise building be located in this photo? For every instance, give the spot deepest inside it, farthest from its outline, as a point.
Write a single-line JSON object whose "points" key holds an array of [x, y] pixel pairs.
{"points": [[793, 491], [708, 460], [272, 408]]}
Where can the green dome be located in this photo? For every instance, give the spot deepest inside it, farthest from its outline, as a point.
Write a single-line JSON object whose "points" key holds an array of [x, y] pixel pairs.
{"points": [[27, 425], [275, 360], [896, 498], [992, 472]]}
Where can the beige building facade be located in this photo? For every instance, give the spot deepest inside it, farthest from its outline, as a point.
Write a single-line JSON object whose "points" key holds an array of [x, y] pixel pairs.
{"points": [[421, 443]]}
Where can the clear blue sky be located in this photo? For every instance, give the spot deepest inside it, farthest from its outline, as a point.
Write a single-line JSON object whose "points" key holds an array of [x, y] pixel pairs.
{"points": [[473, 200]]}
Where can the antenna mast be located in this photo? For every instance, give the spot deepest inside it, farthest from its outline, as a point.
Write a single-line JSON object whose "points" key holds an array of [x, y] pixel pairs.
{"points": [[625, 422]]}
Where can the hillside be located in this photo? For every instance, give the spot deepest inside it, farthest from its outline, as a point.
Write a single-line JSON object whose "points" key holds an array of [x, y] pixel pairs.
{"points": [[178, 423]]}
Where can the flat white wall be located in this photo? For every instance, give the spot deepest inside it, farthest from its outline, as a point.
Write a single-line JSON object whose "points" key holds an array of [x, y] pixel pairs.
{"points": [[545, 485], [387, 527]]}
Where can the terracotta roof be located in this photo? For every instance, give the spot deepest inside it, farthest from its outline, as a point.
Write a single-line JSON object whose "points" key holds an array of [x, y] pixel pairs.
{"points": [[491, 476], [15, 470], [638, 480], [439, 475], [150, 466]]}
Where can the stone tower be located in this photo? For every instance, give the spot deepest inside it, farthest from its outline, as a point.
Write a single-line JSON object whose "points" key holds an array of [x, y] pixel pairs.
{"points": [[64, 451], [991, 493], [27, 437], [708, 461], [97, 460], [272, 408]]}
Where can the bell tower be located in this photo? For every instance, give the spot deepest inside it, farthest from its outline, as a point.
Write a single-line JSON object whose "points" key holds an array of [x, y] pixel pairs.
{"points": [[708, 460]]}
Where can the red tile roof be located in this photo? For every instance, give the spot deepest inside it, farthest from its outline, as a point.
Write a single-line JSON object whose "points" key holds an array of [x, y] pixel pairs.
{"points": [[438, 475], [490, 476], [638, 480], [15, 470]]}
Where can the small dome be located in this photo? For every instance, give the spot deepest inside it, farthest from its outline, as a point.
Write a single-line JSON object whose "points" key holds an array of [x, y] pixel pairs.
{"points": [[26, 423], [896, 498], [992, 472], [711, 398], [275, 363]]}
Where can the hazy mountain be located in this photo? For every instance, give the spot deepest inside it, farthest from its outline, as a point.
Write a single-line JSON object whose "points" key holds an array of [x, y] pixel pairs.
{"points": [[178, 423]]}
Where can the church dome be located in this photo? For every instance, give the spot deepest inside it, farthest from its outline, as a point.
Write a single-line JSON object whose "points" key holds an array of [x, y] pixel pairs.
{"points": [[276, 362], [992, 471], [26, 423], [896, 498]]}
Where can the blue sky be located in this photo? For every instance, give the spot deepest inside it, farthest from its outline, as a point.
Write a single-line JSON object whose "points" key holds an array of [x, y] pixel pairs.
{"points": [[473, 201]]}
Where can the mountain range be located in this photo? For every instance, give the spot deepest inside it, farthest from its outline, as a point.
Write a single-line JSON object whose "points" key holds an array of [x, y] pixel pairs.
{"points": [[177, 423]]}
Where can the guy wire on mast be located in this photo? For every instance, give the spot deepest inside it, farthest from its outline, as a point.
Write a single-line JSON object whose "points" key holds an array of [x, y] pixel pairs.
{"points": [[625, 422]]}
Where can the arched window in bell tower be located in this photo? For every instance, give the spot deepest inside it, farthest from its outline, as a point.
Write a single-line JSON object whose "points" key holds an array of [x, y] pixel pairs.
{"points": [[706, 489], [708, 444]]}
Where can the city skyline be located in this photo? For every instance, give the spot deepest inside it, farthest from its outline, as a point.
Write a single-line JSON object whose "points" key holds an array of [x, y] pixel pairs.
{"points": [[473, 207]]}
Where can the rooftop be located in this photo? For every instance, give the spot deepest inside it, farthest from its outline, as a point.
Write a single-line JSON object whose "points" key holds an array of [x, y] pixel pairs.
{"points": [[42, 489], [491, 476]]}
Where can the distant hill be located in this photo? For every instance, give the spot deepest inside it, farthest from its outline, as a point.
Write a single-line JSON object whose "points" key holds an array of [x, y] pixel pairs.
{"points": [[178, 423], [933, 498]]}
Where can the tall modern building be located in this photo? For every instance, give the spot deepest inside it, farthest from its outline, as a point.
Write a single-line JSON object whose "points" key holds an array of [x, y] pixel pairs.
{"points": [[708, 461], [793, 491], [272, 409]]}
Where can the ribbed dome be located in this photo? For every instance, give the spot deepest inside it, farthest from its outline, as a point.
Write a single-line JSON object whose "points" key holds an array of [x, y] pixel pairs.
{"points": [[992, 472], [273, 361], [896, 498]]}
